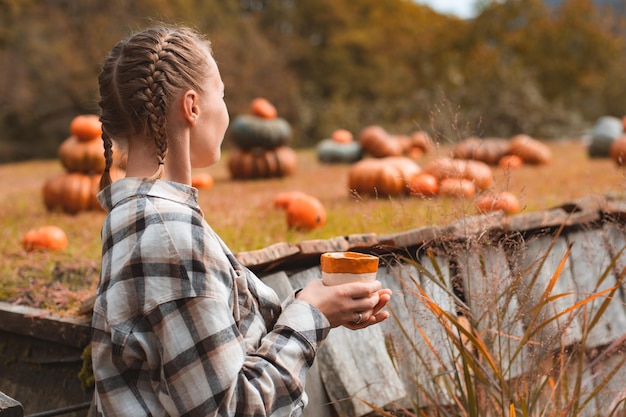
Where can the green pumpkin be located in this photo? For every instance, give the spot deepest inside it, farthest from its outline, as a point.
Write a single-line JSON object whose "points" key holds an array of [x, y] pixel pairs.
{"points": [[330, 151], [249, 131]]}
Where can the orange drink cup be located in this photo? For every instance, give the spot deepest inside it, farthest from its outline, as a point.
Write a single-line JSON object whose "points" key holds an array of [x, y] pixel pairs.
{"points": [[343, 267]]}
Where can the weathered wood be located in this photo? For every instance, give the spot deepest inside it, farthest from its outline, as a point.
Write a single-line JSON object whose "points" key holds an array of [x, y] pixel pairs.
{"points": [[314, 247], [34, 322], [616, 240], [354, 366], [471, 226], [490, 289], [552, 218], [363, 240], [10, 407], [538, 260], [590, 262], [268, 255], [414, 237], [417, 340]]}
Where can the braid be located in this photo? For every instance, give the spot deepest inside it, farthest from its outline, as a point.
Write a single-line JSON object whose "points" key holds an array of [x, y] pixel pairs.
{"points": [[153, 94], [105, 179]]}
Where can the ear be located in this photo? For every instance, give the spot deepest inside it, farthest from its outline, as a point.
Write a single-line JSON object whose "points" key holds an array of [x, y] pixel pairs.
{"points": [[191, 106]]}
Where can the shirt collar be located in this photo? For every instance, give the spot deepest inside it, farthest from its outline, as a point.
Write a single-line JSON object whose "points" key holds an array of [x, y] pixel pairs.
{"points": [[131, 187]]}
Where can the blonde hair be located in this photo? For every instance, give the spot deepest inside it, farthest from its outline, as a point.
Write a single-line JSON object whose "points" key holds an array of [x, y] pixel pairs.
{"points": [[139, 79]]}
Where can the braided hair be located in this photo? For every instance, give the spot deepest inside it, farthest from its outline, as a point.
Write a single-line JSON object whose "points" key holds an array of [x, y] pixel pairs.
{"points": [[139, 79]]}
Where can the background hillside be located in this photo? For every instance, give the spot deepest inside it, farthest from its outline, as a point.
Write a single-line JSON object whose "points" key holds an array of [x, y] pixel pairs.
{"points": [[518, 67], [616, 5]]}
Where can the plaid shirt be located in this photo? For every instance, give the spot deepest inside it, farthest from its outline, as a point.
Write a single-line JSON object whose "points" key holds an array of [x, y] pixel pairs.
{"points": [[180, 327]]}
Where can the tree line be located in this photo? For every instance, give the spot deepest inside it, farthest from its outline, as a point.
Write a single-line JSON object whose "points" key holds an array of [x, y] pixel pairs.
{"points": [[518, 67]]}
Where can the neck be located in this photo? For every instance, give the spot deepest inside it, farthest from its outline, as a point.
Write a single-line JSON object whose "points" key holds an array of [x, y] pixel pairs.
{"points": [[143, 163]]}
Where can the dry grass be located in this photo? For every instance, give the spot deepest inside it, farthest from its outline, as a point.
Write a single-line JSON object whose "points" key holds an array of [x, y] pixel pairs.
{"points": [[242, 213]]}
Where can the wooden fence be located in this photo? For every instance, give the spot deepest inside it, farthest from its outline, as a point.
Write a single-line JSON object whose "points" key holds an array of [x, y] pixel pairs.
{"points": [[491, 270]]}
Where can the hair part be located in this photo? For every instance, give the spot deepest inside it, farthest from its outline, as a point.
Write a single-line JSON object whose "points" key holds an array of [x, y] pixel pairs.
{"points": [[138, 81]]}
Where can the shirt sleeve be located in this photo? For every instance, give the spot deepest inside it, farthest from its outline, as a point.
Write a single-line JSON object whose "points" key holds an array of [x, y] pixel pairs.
{"points": [[207, 371]]}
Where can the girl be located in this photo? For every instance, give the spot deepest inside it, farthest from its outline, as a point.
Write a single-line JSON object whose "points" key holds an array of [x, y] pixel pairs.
{"points": [[180, 327]]}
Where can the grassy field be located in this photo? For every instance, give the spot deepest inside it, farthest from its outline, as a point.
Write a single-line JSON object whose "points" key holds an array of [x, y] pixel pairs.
{"points": [[242, 212]]}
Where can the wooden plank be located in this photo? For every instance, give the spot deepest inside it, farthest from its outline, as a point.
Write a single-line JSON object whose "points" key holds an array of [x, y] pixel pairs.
{"points": [[362, 240], [538, 263], [590, 261], [37, 323], [10, 407], [418, 342], [354, 365], [415, 237], [338, 244], [552, 218], [468, 226], [490, 289], [279, 282], [273, 253]]}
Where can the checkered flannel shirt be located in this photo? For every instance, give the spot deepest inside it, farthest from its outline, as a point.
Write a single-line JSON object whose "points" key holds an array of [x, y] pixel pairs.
{"points": [[180, 327]]}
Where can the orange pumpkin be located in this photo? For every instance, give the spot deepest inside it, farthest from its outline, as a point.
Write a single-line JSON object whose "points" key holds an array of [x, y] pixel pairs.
{"points": [[510, 162], [488, 150], [72, 192], [342, 136], [377, 142], [305, 212], [476, 171], [531, 150], [502, 201], [382, 176], [202, 180], [45, 238], [86, 127], [82, 156], [457, 188], [262, 107], [282, 199], [421, 140], [262, 163], [423, 185]]}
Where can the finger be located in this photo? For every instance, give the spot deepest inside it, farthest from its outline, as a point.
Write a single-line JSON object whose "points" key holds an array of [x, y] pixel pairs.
{"points": [[358, 290], [382, 302]]}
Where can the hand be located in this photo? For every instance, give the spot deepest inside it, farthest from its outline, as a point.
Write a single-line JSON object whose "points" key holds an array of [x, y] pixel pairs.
{"points": [[375, 316], [354, 305]]}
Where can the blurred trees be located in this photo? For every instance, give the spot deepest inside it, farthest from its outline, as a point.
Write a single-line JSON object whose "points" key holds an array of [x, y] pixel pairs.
{"points": [[519, 67]]}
